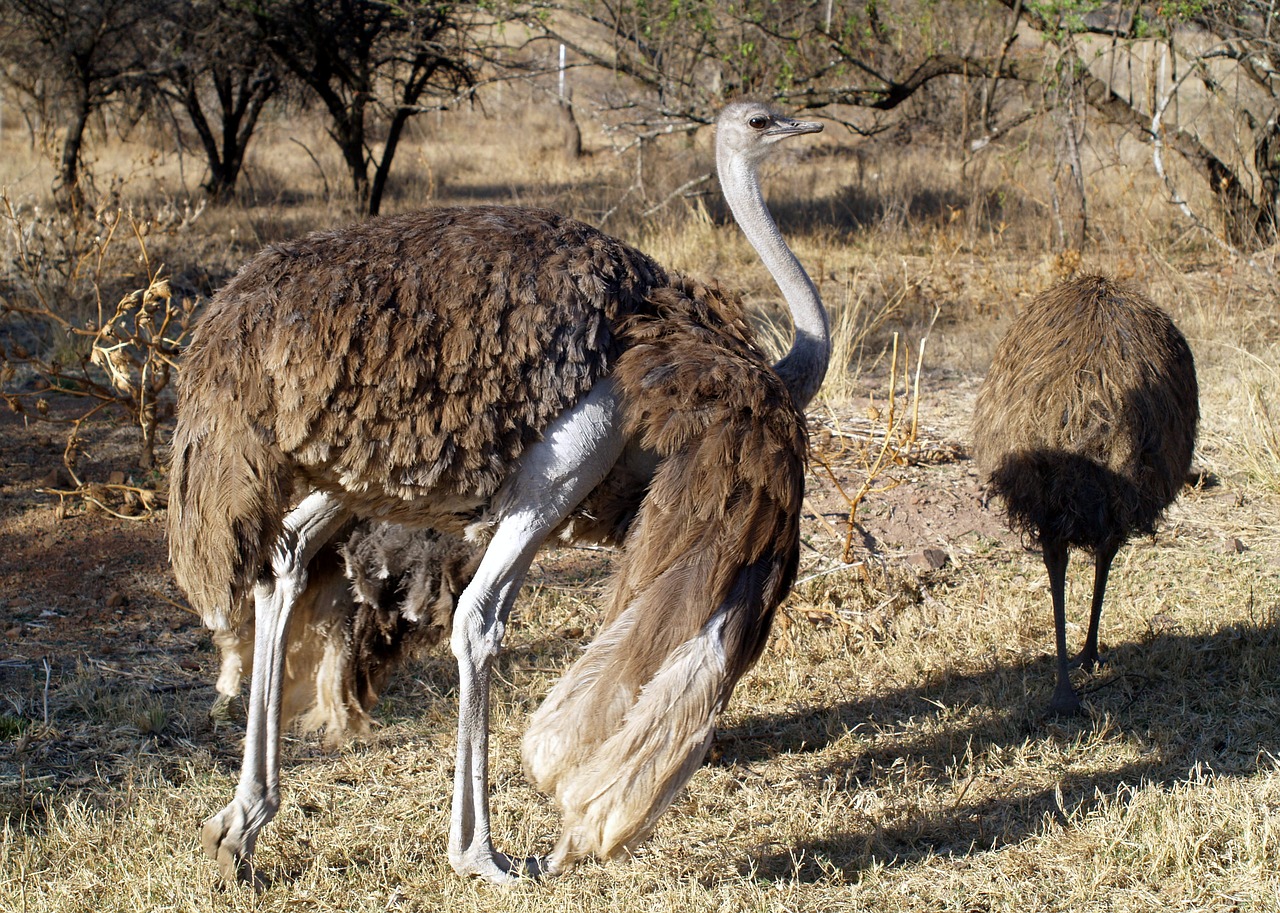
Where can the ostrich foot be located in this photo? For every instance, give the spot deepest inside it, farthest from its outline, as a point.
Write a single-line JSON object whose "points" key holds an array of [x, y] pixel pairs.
{"points": [[499, 868], [226, 839], [1065, 701], [1088, 660]]}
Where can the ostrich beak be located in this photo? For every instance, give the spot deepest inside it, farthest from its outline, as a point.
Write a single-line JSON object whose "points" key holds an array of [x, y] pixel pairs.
{"points": [[786, 126]]}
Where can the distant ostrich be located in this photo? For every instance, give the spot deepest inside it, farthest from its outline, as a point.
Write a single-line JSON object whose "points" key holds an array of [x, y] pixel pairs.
{"points": [[1085, 427], [508, 375]]}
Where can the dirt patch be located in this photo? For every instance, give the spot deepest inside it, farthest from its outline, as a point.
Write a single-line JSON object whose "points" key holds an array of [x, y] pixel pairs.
{"points": [[78, 586], [922, 503]]}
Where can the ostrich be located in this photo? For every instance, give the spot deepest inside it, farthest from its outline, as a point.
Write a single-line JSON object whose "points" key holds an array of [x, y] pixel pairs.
{"points": [[508, 375], [1084, 427]]}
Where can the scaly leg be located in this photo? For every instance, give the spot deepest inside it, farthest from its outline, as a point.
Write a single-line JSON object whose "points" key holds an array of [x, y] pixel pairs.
{"points": [[554, 475], [229, 836], [1064, 701], [1088, 657]]}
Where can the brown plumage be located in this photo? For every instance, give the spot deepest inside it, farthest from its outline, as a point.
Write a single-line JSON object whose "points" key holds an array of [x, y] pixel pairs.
{"points": [[712, 553], [280, 371], [506, 375], [1085, 427]]}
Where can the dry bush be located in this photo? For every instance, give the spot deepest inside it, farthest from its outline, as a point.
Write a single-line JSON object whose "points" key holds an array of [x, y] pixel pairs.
{"points": [[61, 338]]}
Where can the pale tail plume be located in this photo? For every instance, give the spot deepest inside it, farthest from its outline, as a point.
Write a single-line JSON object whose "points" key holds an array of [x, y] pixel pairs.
{"points": [[709, 558], [613, 797], [664, 736]]}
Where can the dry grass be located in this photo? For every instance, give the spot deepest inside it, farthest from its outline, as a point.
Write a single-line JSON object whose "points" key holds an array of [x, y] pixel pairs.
{"points": [[890, 751]]}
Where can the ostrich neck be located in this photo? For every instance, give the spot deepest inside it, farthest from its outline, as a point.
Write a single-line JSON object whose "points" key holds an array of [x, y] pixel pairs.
{"points": [[803, 368]]}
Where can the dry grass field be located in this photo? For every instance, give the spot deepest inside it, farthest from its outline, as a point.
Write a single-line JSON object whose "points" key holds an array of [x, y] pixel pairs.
{"points": [[890, 752]]}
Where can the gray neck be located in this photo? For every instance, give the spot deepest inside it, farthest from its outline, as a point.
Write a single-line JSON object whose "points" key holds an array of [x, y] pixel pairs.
{"points": [[804, 367]]}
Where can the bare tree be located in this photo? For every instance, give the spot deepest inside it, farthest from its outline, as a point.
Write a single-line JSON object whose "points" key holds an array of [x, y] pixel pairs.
{"points": [[987, 66], [373, 64], [687, 57], [1222, 59], [220, 81], [71, 59]]}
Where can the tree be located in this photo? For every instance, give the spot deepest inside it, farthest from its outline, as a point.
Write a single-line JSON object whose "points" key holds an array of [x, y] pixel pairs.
{"points": [[685, 57], [690, 55], [74, 57], [373, 64], [221, 81], [1247, 48]]}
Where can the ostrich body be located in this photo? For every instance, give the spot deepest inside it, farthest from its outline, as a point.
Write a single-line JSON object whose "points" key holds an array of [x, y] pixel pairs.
{"points": [[1085, 427], [508, 375]]}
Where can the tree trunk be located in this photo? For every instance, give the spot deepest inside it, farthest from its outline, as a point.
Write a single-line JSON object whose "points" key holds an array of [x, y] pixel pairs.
{"points": [[67, 193], [572, 132], [383, 172], [1266, 158], [348, 132], [1070, 203]]}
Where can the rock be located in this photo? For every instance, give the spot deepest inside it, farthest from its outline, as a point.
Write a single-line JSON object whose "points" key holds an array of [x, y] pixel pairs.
{"points": [[931, 559]]}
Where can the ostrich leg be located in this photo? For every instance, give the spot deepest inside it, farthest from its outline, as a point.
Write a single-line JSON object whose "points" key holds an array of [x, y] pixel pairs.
{"points": [[1088, 657], [554, 475], [1064, 702], [229, 836]]}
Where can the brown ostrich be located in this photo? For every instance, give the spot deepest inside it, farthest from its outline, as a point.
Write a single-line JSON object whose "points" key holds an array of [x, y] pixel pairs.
{"points": [[508, 375], [1084, 427]]}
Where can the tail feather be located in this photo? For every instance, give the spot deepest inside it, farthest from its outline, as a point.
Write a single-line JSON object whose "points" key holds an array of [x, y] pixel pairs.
{"points": [[228, 489], [711, 554], [664, 736]]}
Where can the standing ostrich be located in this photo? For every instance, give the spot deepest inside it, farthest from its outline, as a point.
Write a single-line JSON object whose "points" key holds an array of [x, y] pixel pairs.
{"points": [[508, 375], [1085, 426]]}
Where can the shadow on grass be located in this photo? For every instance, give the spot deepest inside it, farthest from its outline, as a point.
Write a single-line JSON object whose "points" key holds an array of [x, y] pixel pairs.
{"points": [[1192, 702], [1210, 700]]}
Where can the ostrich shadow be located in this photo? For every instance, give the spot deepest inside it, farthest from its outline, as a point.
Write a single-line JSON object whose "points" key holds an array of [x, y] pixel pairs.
{"points": [[1178, 695]]}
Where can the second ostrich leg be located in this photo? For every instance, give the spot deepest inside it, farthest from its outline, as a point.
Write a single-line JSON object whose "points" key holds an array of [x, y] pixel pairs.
{"points": [[555, 474], [1064, 702], [229, 836], [1088, 657]]}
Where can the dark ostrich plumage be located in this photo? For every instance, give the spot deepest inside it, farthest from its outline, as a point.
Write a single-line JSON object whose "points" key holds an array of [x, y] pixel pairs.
{"points": [[1085, 427]]}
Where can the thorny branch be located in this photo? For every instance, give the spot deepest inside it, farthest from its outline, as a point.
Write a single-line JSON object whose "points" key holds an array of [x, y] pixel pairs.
{"points": [[126, 366]]}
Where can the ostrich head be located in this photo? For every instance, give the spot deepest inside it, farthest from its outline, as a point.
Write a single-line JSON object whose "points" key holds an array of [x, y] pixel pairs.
{"points": [[752, 130]]}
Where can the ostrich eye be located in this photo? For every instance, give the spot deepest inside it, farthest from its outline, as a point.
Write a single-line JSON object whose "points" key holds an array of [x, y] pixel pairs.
{"points": [[759, 122]]}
